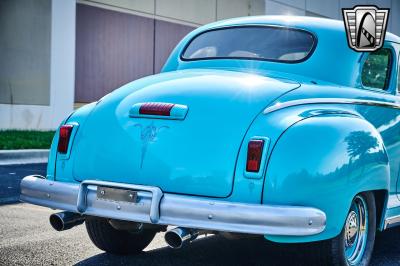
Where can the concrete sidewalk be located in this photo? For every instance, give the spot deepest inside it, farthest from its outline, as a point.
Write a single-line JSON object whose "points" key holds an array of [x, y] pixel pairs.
{"points": [[8, 157]]}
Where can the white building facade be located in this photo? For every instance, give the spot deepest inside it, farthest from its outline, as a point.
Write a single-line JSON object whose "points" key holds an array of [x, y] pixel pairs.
{"points": [[57, 54]]}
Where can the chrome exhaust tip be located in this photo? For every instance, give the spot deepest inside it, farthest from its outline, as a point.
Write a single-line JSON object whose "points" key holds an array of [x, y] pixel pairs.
{"points": [[177, 237], [65, 220]]}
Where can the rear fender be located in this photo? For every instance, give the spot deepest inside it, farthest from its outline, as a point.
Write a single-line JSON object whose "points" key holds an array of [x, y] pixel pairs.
{"points": [[271, 127], [60, 168], [323, 161]]}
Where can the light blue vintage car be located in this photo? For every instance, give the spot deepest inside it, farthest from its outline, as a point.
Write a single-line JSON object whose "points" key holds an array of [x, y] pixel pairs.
{"points": [[268, 126]]}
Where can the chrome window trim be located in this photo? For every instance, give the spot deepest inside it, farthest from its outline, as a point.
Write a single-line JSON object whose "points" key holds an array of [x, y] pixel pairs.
{"points": [[279, 106]]}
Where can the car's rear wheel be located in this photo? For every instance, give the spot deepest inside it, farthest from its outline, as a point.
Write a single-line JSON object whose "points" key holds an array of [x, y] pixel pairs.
{"points": [[355, 243], [111, 240]]}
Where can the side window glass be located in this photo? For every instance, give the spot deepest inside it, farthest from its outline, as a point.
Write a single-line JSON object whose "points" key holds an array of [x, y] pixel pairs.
{"points": [[398, 77], [376, 69]]}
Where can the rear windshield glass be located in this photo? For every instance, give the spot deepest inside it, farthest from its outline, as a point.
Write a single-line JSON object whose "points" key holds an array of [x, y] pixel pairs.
{"points": [[251, 42]]}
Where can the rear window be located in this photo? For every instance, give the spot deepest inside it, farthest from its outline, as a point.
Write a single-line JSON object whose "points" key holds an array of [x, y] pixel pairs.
{"points": [[251, 42]]}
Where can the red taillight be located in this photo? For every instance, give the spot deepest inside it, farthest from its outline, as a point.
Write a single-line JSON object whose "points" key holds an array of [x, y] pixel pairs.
{"points": [[64, 136], [163, 109], [254, 154]]}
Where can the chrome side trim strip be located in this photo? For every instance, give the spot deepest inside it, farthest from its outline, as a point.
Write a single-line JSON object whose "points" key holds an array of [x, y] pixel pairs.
{"points": [[392, 221], [393, 202], [156, 207], [279, 106]]}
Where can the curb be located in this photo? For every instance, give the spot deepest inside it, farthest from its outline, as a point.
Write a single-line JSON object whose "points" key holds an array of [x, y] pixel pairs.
{"points": [[23, 156]]}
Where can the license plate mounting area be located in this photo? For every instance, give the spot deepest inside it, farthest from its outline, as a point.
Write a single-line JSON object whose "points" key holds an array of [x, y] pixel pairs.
{"points": [[117, 194]]}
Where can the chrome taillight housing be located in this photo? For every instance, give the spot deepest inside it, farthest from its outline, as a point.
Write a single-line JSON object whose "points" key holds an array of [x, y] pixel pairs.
{"points": [[64, 138], [254, 155]]}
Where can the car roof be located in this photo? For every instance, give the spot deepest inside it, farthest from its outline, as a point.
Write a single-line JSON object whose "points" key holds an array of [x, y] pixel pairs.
{"points": [[331, 52], [313, 24]]}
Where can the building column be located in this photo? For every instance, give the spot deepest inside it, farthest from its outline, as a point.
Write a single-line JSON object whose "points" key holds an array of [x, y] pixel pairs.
{"points": [[37, 84], [62, 73]]}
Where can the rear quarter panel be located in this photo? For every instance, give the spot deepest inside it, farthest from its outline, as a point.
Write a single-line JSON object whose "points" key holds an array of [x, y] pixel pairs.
{"points": [[60, 168], [324, 161]]}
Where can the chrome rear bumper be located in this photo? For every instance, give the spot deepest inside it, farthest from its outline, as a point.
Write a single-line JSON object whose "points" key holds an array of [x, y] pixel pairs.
{"points": [[154, 206]]}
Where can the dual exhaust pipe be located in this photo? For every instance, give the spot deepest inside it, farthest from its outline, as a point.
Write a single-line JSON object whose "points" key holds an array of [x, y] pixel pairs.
{"points": [[175, 238], [179, 236], [65, 220]]}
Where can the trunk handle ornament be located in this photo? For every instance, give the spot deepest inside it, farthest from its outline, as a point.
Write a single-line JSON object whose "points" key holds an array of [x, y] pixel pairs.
{"points": [[156, 192], [177, 111]]}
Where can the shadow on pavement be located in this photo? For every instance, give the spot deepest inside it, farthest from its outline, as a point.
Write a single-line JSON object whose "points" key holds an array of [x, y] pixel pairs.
{"points": [[216, 250], [387, 248]]}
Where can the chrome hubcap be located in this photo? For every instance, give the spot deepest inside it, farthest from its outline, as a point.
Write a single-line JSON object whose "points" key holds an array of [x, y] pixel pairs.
{"points": [[351, 229], [356, 229]]}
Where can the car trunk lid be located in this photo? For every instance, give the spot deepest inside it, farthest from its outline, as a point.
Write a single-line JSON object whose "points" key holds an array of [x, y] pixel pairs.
{"points": [[191, 151]]}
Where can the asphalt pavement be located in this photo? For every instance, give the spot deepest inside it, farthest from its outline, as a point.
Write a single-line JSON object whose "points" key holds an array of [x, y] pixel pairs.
{"points": [[26, 238], [10, 177]]}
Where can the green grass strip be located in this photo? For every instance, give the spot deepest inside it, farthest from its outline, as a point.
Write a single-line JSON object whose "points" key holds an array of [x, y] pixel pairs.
{"points": [[25, 139]]}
